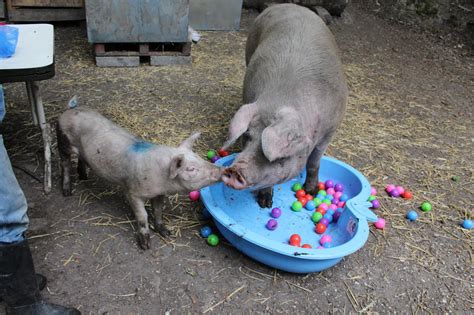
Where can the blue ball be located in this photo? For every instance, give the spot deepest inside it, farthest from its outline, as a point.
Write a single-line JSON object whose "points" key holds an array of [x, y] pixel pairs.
{"points": [[327, 245], [310, 205], [412, 215], [344, 197], [467, 224], [340, 209], [206, 231], [330, 211], [330, 197], [328, 216]]}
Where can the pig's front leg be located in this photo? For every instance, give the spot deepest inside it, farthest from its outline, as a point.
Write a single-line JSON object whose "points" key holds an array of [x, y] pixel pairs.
{"points": [[138, 207], [157, 204], [265, 197]]}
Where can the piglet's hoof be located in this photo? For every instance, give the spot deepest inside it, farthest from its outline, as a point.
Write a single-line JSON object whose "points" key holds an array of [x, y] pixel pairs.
{"points": [[144, 241], [264, 199], [163, 230]]}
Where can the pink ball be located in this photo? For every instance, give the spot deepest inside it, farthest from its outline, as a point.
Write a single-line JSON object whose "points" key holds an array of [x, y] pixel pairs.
{"points": [[380, 224], [325, 239], [389, 188], [324, 206], [337, 194], [373, 191], [333, 207], [400, 190], [341, 204], [194, 195], [330, 191]]}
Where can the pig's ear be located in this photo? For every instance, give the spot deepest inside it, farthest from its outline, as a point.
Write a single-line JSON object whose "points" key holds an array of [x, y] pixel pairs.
{"points": [[177, 163], [240, 123], [189, 142], [280, 140]]}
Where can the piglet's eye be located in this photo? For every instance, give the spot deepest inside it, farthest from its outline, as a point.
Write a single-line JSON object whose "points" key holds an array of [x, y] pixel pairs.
{"points": [[190, 169]]}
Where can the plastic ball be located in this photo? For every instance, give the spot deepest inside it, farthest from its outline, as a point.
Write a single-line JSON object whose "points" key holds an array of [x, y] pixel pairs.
{"points": [[309, 197], [333, 207], [296, 206], [223, 153], [336, 216], [331, 211], [211, 154], [322, 193], [329, 197], [272, 224], [335, 201], [373, 191], [316, 217], [327, 201], [317, 201], [321, 210], [276, 213], [324, 221], [426, 206], [320, 228], [215, 158], [310, 205], [303, 201], [194, 195], [380, 224], [412, 215], [339, 187], [394, 193], [407, 195], [295, 240], [389, 188], [400, 189], [306, 246], [327, 245], [344, 197], [375, 204], [296, 187], [341, 204], [325, 239], [323, 206], [371, 197], [328, 216], [321, 186], [329, 184], [300, 193], [330, 191], [467, 224], [337, 195], [206, 231], [213, 240]]}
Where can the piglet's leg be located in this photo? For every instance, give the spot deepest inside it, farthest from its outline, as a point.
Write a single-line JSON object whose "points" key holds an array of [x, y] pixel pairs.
{"points": [[64, 147], [138, 207], [82, 169], [265, 197], [157, 204]]}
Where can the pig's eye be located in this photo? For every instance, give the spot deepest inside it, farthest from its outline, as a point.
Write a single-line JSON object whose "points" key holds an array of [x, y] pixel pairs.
{"points": [[246, 135], [190, 169]]}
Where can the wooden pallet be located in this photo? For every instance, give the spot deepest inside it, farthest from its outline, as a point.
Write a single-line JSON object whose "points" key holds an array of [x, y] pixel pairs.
{"points": [[131, 54]]}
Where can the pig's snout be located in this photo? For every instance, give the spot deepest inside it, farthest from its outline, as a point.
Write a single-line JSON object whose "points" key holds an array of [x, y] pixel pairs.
{"points": [[234, 179]]}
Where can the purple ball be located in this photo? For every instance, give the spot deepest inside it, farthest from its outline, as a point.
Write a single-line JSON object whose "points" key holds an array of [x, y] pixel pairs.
{"points": [[276, 213], [324, 221], [214, 158], [394, 193], [328, 184], [272, 224], [339, 187], [336, 216], [375, 204], [335, 201]]}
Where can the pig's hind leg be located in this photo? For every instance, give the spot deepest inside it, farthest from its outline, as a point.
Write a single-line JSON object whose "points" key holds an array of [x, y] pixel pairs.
{"points": [[313, 163], [265, 197], [64, 148], [82, 169], [138, 207], [157, 204]]}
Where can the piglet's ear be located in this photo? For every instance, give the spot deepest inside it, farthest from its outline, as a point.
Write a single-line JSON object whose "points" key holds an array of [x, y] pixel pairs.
{"points": [[189, 142], [240, 123], [177, 163]]}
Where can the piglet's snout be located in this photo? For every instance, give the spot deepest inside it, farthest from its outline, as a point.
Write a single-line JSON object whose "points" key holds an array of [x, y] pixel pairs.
{"points": [[234, 179]]}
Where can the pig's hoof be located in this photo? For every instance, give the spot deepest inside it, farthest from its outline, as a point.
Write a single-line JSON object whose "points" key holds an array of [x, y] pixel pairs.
{"points": [[163, 230], [144, 241], [264, 199]]}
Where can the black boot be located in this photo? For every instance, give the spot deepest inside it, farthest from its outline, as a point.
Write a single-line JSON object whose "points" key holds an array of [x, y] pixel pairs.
{"points": [[18, 284]]}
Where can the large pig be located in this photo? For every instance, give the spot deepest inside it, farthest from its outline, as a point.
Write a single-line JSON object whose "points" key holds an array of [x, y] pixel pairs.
{"points": [[143, 169], [295, 97]]}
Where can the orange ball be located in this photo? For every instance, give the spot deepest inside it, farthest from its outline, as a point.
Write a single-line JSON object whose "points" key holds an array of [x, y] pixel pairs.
{"points": [[303, 200], [321, 186], [407, 194], [300, 193], [321, 210], [309, 197], [320, 228], [306, 246], [295, 240]]}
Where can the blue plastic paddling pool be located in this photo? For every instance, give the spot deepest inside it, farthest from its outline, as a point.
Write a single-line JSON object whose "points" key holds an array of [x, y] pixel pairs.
{"points": [[243, 223]]}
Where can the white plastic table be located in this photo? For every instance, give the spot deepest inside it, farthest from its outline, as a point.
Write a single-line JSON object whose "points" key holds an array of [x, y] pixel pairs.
{"points": [[33, 61]]}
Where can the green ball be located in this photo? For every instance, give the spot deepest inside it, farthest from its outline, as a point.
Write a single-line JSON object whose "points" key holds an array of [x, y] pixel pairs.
{"points": [[317, 201], [322, 193], [296, 187], [426, 206], [213, 240], [372, 197], [297, 206], [211, 154], [327, 201], [316, 217]]}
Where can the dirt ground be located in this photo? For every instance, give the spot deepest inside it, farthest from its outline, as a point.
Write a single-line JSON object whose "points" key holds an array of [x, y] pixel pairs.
{"points": [[409, 122]]}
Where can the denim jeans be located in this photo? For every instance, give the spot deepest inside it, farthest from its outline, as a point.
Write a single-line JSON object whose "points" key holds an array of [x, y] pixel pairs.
{"points": [[13, 218]]}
